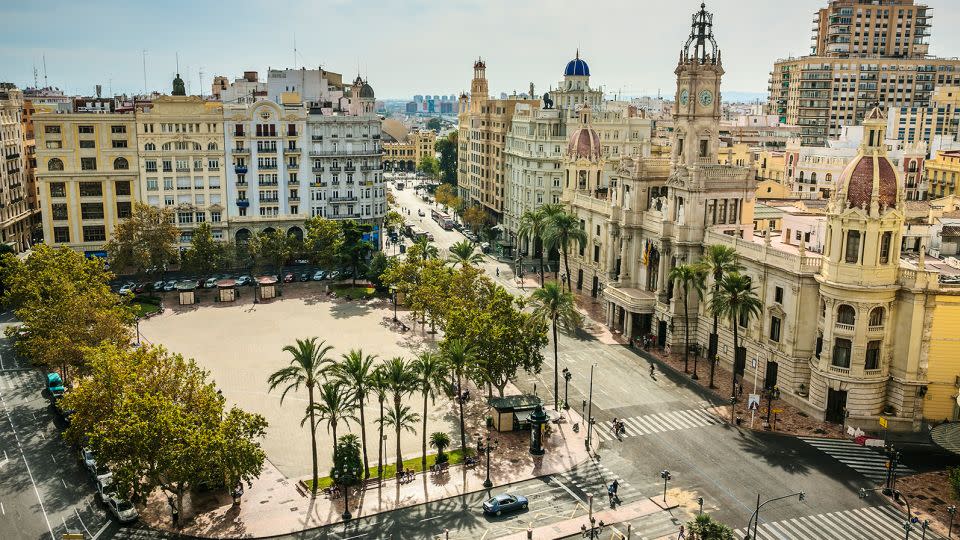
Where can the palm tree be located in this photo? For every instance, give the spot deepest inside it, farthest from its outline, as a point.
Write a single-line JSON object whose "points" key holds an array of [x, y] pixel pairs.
{"points": [[308, 365], [563, 228], [719, 260], [336, 404], [356, 371], [687, 276], [736, 300], [460, 357], [464, 252], [378, 385], [427, 250], [431, 371], [401, 418], [533, 223], [552, 303], [441, 441]]}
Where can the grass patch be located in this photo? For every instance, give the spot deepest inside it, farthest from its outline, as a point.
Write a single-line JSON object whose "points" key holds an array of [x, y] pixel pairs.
{"points": [[390, 470], [141, 309], [358, 291]]}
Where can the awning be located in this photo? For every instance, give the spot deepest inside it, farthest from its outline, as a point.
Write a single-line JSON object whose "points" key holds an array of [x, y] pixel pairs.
{"points": [[947, 436]]}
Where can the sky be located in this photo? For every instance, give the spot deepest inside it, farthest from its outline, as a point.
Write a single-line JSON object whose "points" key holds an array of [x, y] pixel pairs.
{"points": [[404, 47]]}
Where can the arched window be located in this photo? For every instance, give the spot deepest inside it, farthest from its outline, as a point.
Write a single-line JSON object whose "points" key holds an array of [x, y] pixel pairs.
{"points": [[196, 146], [829, 177], [120, 164], [813, 178], [55, 165], [167, 146], [801, 176], [876, 316], [913, 165], [212, 146], [149, 146], [846, 314]]}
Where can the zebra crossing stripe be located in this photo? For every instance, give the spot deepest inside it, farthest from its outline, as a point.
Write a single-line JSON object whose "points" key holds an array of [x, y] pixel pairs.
{"points": [[658, 423], [866, 461], [869, 523]]}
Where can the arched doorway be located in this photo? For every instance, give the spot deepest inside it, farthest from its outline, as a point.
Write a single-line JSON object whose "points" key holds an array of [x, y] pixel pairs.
{"points": [[295, 232], [242, 236], [269, 230], [411, 166]]}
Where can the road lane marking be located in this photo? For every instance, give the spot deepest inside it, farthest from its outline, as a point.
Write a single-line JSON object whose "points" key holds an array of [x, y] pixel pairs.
{"points": [[54, 459], [2, 511], [64, 483], [105, 525], [568, 490], [430, 518], [82, 524], [27, 465]]}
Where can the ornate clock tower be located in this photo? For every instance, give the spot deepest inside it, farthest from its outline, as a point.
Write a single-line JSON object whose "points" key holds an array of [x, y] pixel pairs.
{"points": [[696, 110]]}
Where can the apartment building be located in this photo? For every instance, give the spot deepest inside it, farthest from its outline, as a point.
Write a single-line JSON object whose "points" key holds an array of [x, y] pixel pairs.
{"points": [[16, 213], [941, 174], [896, 28], [405, 154], [939, 119]]}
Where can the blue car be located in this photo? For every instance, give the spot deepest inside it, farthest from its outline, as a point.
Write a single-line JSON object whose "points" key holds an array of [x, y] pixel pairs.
{"points": [[504, 502]]}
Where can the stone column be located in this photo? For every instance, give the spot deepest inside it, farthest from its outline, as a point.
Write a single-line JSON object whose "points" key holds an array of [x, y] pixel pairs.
{"points": [[611, 266], [628, 325], [625, 258]]}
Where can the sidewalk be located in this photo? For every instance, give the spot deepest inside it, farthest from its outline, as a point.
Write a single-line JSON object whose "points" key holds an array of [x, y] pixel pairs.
{"points": [[274, 505], [608, 516]]}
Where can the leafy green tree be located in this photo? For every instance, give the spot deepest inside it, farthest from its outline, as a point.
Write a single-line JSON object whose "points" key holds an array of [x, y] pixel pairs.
{"points": [[63, 298], [401, 418], [323, 240], [476, 217], [738, 301], [552, 303], [355, 249], [159, 422], [206, 255], [563, 230], [378, 265], [445, 195], [274, 248], [434, 124], [426, 250], [146, 241], [307, 367], [335, 404], [460, 357], [429, 166], [347, 468], [447, 148], [704, 527], [394, 220], [356, 371], [719, 260], [431, 373], [464, 252], [688, 276], [440, 441]]}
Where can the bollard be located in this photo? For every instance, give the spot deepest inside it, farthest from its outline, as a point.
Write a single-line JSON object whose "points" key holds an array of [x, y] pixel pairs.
{"points": [[530, 532], [628, 531]]}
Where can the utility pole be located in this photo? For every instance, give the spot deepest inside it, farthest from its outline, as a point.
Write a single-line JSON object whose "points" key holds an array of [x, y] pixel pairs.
{"points": [[144, 56], [589, 418]]}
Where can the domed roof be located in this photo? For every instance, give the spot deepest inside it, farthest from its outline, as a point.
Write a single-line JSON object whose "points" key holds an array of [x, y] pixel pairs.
{"points": [[366, 91], [865, 174], [577, 68], [584, 143]]}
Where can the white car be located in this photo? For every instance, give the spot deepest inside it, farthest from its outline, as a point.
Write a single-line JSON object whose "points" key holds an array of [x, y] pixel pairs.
{"points": [[89, 459], [127, 288], [104, 487], [122, 509]]}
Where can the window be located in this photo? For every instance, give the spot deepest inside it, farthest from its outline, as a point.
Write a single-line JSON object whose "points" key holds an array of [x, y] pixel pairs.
{"points": [[88, 144], [91, 189], [704, 144], [775, 329], [55, 165], [872, 358], [51, 129], [743, 319], [596, 253], [846, 314], [215, 217], [91, 210], [58, 189], [118, 129], [151, 165], [54, 145], [84, 129], [119, 143], [168, 183], [885, 247], [123, 188], [168, 200], [876, 316], [853, 247], [841, 353], [778, 295], [819, 346], [59, 211], [124, 209], [200, 217], [61, 235], [149, 147], [94, 233], [88, 164], [120, 164]]}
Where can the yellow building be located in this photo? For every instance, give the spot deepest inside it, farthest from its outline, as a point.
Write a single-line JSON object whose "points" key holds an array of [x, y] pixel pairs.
{"points": [[182, 163], [924, 124], [405, 154], [941, 173], [943, 374], [771, 165], [87, 175]]}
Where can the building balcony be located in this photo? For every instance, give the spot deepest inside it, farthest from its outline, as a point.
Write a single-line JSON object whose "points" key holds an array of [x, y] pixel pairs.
{"points": [[243, 203], [267, 167], [268, 184], [370, 168], [267, 150], [839, 370], [183, 169], [269, 200], [242, 184], [291, 151], [294, 198], [350, 168], [845, 328], [335, 169], [342, 199], [878, 329], [318, 184], [317, 169], [316, 138], [354, 152], [240, 151], [293, 182], [240, 169]]}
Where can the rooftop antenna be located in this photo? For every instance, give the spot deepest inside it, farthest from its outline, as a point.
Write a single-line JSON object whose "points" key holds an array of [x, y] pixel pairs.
{"points": [[45, 83], [201, 83], [144, 55], [294, 50], [35, 82]]}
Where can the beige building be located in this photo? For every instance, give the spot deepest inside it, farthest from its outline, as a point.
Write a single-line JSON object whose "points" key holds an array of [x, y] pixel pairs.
{"points": [[88, 176], [926, 124], [405, 154], [870, 28], [16, 212], [866, 354], [181, 162], [941, 173]]}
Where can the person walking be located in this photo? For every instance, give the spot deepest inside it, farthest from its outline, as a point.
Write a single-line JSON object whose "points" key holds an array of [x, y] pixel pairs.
{"points": [[498, 272], [681, 536]]}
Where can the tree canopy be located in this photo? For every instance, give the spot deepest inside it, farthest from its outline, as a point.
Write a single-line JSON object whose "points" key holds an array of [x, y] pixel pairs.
{"points": [[447, 148], [323, 240], [206, 255], [146, 241], [429, 166]]}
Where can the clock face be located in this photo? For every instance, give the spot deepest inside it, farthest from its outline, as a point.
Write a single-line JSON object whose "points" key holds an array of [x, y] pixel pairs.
{"points": [[684, 96], [706, 98]]}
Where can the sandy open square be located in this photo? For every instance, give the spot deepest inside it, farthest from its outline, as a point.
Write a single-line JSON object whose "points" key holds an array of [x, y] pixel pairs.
{"points": [[240, 344]]}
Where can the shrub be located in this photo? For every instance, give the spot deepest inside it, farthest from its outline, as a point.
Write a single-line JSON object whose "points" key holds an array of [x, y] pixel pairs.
{"points": [[953, 473]]}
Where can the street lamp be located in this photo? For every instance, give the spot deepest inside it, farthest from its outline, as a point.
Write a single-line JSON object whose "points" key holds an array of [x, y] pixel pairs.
{"points": [[488, 449], [952, 509], [755, 517], [138, 330], [393, 290], [344, 473], [595, 527], [772, 395], [665, 474], [590, 409], [893, 459], [566, 387]]}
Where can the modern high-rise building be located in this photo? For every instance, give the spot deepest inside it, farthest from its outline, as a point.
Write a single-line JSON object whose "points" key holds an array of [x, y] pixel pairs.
{"points": [[865, 53]]}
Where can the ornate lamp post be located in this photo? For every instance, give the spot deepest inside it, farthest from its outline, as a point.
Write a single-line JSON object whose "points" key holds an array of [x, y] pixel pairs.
{"points": [[488, 449], [952, 509], [567, 375], [772, 395], [393, 291]]}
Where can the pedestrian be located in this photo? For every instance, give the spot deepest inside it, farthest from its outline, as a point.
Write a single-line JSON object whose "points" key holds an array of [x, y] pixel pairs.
{"points": [[498, 272], [681, 536]]}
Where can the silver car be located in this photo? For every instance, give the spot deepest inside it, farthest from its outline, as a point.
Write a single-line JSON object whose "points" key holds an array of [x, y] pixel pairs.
{"points": [[122, 509], [89, 459]]}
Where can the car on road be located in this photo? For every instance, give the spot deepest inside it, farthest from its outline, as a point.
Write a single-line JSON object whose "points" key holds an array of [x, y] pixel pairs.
{"points": [[127, 288], [243, 281], [88, 459], [55, 386], [289, 277], [334, 274], [158, 285], [504, 502], [122, 509], [142, 287], [421, 213], [319, 275]]}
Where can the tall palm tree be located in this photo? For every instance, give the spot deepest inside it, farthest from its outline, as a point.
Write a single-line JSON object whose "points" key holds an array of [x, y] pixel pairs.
{"points": [[459, 357], [552, 303], [464, 253], [308, 366], [400, 417], [563, 229], [427, 250], [736, 300], [431, 370], [355, 370], [335, 404], [688, 276], [533, 223], [378, 385], [719, 260]]}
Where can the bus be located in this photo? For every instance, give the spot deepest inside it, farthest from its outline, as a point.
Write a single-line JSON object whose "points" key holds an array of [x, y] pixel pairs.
{"points": [[442, 219], [416, 233], [399, 185]]}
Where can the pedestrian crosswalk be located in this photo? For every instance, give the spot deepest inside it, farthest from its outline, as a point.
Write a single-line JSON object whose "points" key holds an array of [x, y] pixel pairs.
{"points": [[657, 423], [867, 461], [593, 478], [869, 523]]}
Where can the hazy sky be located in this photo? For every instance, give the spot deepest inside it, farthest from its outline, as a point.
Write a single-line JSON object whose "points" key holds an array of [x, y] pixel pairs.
{"points": [[404, 47]]}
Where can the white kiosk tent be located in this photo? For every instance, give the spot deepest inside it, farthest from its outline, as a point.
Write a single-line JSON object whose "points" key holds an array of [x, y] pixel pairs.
{"points": [[187, 290], [227, 290], [266, 287]]}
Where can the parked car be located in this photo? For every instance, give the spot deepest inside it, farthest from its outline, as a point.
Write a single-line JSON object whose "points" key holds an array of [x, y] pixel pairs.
{"points": [[170, 285], [88, 459], [104, 487], [122, 509], [211, 283], [504, 502], [158, 285], [244, 281], [289, 277], [142, 287], [304, 276], [421, 213], [334, 274], [127, 288], [319, 275], [55, 386]]}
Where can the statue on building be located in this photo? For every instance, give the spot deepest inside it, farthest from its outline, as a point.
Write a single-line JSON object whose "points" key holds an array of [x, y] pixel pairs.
{"points": [[179, 89], [547, 101]]}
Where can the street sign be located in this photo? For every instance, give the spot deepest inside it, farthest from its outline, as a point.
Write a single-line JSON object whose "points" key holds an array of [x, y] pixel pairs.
{"points": [[73, 536], [753, 402], [778, 411], [883, 422]]}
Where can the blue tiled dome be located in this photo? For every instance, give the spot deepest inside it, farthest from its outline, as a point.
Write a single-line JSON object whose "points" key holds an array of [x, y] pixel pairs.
{"points": [[577, 67]]}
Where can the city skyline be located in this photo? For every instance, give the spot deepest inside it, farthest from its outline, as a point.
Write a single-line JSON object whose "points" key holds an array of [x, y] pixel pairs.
{"points": [[379, 40]]}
